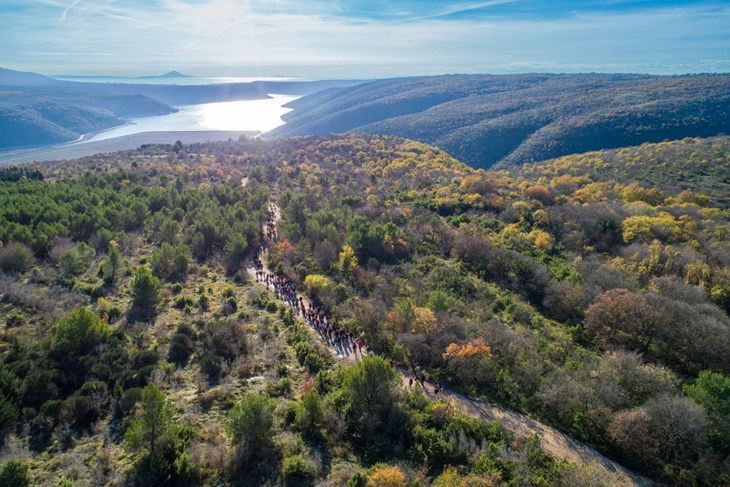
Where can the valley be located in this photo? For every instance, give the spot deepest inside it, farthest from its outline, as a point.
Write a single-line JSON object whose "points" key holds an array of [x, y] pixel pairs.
{"points": [[499, 286]]}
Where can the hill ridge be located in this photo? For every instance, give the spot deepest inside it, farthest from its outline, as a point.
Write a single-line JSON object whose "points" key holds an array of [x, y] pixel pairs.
{"points": [[489, 119]]}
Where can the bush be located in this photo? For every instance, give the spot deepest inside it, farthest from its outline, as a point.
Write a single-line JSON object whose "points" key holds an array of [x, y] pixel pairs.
{"points": [[210, 365], [14, 473], [15, 318], [250, 424], [71, 264], [129, 399], [204, 302], [175, 288], [297, 471], [387, 476], [230, 306], [180, 346], [310, 357], [79, 332], [16, 257], [105, 307], [145, 288], [8, 417], [182, 302], [171, 262]]}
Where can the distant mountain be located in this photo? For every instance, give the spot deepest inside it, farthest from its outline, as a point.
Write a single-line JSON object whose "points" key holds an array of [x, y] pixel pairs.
{"points": [[175, 74], [484, 120], [8, 77], [169, 74]]}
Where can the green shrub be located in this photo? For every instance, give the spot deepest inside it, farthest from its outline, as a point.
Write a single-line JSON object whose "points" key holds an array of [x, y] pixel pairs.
{"points": [[8, 417], [230, 306], [129, 399], [204, 302], [175, 288], [229, 292], [180, 348], [210, 365], [297, 471], [14, 473], [182, 302], [251, 422], [15, 318]]}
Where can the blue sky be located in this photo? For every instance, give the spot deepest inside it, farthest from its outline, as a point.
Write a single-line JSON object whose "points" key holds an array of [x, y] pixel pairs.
{"points": [[363, 38]]}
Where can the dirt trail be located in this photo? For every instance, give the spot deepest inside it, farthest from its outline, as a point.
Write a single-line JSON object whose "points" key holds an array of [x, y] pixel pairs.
{"points": [[517, 424]]}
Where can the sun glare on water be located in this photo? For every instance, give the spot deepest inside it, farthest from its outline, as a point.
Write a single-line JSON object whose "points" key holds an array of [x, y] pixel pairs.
{"points": [[238, 116], [261, 115]]}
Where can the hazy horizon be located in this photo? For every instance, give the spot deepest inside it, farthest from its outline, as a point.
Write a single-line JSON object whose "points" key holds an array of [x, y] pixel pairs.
{"points": [[358, 39]]}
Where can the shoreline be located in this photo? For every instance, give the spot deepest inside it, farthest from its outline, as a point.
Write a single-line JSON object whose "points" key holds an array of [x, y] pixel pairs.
{"points": [[75, 150]]}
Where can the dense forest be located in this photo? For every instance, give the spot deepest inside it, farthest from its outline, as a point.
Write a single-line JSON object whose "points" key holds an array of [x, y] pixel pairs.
{"points": [[510, 119], [591, 292]]}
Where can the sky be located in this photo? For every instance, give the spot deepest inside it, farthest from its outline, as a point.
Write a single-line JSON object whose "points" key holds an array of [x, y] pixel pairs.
{"points": [[363, 38]]}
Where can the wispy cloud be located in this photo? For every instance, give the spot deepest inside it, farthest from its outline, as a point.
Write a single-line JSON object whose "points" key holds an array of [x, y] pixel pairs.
{"points": [[67, 10], [457, 9], [345, 37]]}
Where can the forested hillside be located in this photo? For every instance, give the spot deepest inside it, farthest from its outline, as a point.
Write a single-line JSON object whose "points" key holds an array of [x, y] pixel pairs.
{"points": [[591, 292], [512, 119]]}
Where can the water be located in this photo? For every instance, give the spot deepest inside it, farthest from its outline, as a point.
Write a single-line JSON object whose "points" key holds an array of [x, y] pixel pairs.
{"points": [[192, 80], [247, 115]]}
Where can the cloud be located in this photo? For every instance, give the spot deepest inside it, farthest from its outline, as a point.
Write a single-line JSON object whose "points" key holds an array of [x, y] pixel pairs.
{"points": [[457, 9], [67, 10], [324, 38]]}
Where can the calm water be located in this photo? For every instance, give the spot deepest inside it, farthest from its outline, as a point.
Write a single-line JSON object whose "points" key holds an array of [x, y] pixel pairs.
{"points": [[192, 80], [253, 115]]}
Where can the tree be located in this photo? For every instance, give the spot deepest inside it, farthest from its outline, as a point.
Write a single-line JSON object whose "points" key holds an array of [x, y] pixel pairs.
{"points": [[712, 391], [310, 413], [620, 317], [347, 262], [250, 423], [171, 262], [79, 332], [145, 289], [8, 411], [154, 424], [71, 264], [155, 433], [387, 476], [16, 257], [371, 395], [168, 231], [235, 252], [668, 429], [113, 263]]}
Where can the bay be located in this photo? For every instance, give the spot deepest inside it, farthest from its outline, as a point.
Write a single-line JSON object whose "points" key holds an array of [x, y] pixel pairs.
{"points": [[246, 115]]}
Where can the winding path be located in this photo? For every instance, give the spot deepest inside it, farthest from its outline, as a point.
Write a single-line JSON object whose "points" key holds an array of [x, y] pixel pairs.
{"points": [[520, 426]]}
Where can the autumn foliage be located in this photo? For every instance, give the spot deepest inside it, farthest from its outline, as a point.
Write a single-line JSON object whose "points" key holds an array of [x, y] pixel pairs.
{"points": [[473, 348]]}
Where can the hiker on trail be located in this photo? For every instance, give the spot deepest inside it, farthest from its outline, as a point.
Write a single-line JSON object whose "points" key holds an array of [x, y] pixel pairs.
{"points": [[410, 382]]}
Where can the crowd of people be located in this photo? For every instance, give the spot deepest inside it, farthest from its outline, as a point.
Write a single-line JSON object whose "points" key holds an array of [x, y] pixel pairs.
{"points": [[341, 339]]}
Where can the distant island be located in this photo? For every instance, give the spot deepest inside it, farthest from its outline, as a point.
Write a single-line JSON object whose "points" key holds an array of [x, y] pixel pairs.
{"points": [[169, 74]]}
